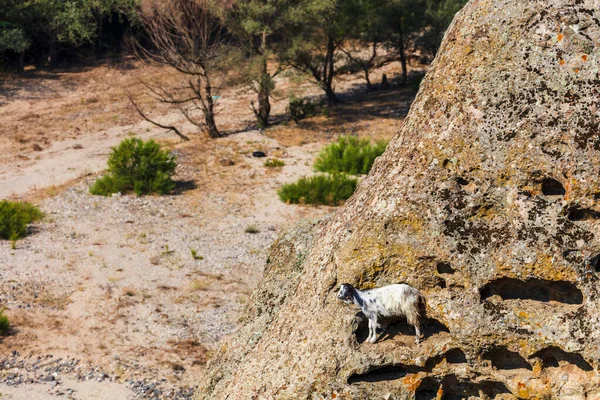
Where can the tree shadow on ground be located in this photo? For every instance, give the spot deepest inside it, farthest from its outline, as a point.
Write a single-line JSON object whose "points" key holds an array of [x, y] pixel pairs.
{"points": [[183, 186]]}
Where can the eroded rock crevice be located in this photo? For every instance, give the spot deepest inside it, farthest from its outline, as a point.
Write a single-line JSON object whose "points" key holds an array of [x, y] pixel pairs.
{"points": [[552, 187], [532, 289], [553, 356]]}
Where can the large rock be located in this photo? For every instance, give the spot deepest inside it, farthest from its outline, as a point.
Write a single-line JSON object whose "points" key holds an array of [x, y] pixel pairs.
{"points": [[488, 201]]}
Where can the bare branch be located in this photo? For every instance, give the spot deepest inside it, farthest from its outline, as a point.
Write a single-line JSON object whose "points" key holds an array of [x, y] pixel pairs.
{"points": [[169, 128], [187, 36]]}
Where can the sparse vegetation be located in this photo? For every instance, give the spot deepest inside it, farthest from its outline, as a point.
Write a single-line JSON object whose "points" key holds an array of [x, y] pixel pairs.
{"points": [[252, 229], [330, 190], [138, 166], [299, 109], [349, 155], [195, 255], [15, 217], [274, 163], [4, 323]]}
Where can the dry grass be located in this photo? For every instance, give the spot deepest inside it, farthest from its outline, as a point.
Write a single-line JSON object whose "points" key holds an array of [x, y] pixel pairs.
{"points": [[129, 291], [36, 196], [53, 300], [191, 349]]}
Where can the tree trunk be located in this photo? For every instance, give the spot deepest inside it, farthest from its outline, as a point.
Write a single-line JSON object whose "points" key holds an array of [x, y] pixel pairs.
{"points": [[331, 96], [211, 126], [21, 62], [264, 106], [52, 57], [100, 38], [209, 112], [368, 79], [369, 65], [402, 52], [329, 72]]}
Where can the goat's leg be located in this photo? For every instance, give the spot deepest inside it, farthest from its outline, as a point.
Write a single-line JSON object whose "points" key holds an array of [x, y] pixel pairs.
{"points": [[370, 330], [418, 332], [373, 321]]}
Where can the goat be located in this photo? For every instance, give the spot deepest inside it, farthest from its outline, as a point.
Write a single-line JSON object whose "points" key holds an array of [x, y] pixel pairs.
{"points": [[398, 300]]}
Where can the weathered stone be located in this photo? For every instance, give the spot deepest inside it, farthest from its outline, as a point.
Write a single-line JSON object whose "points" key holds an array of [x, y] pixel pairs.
{"points": [[488, 201]]}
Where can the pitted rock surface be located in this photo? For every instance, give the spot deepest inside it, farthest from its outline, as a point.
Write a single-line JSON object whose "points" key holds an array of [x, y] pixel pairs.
{"points": [[488, 201]]}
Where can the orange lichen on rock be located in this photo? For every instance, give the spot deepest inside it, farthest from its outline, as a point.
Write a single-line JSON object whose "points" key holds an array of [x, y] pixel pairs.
{"points": [[412, 382], [440, 394], [522, 390]]}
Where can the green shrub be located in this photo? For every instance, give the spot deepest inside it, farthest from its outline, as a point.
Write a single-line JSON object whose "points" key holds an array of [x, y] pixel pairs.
{"points": [[138, 166], [350, 155], [4, 324], [330, 190], [252, 229], [274, 163], [15, 217], [298, 109]]}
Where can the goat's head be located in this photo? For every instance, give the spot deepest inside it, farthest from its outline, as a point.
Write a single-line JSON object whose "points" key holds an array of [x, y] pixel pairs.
{"points": [[345, 293]]}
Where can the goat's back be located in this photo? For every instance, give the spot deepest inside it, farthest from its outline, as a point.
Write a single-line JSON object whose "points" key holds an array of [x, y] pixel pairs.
{"points": [[397, 300]]}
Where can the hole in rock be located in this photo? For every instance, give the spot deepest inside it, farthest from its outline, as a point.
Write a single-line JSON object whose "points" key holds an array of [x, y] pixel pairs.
{"points": [[533, 289], [594, 263], [428, 389], [503, 358], [552, 356], [432, 326], [552, 187], [582, 214], [384, 374], [453, 356], [456, 356], [445, 268], [455, 389], [462, 181]]}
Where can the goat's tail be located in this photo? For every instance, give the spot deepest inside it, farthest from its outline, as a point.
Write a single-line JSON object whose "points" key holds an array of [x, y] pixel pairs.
{"points": [[422, 307]]}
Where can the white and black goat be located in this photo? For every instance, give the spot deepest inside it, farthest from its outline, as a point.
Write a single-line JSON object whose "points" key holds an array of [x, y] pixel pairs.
{"points": [[392, 301]]}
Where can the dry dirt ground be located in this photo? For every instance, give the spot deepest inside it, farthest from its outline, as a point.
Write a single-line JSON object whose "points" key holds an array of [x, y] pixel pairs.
{"points": [[127, 297]]}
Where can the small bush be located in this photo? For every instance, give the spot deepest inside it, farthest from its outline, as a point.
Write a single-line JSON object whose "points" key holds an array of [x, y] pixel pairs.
{"points": [[298, 109], [4, 324], [350, 155], [252, 229], [15, 217], [274, 163], [330, 190], [138, 166]]}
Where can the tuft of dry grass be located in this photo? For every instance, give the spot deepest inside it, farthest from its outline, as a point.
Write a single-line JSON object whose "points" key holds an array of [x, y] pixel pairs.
{"points": [[129, 291], [53, 300], [191, 348]]}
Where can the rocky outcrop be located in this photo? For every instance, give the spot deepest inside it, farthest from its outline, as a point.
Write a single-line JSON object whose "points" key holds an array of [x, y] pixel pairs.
{"points": [[488, 201]]}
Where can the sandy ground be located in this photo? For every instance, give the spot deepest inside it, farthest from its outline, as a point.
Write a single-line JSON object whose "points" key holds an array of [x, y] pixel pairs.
{"points": [[126, 297]]}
